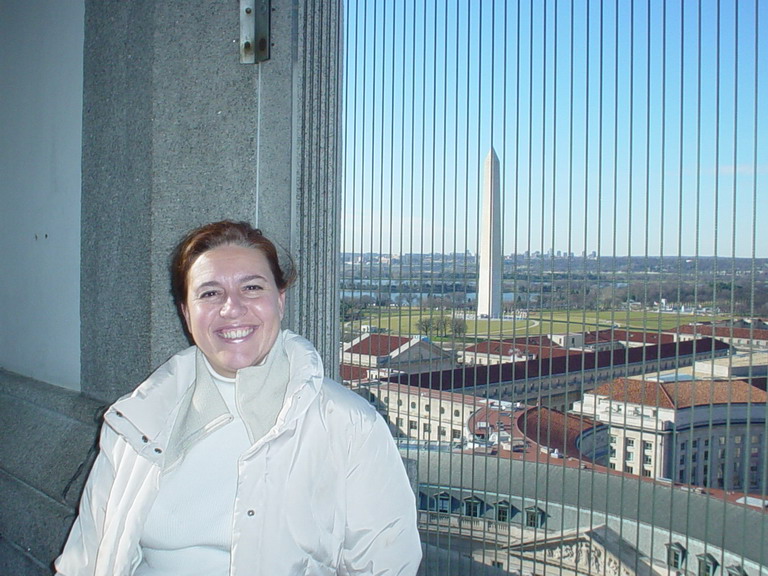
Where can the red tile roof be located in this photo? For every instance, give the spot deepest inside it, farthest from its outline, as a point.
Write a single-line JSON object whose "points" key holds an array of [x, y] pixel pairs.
{"points": [[681, 394], [350, 373], [378, 345], [495, 348], [724, 332], [554, 429], [539, 346], [623, 335], [543, 426]]}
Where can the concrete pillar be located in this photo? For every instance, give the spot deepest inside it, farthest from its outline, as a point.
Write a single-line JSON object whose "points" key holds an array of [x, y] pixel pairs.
{"points": [[176, 133]]}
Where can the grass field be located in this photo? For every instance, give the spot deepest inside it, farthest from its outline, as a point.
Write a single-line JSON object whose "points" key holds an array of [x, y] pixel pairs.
{"points": [[404, 322]]}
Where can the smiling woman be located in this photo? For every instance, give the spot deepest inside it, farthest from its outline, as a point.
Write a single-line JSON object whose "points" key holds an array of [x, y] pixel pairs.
{"points": [[233, 307], [238, 455]]}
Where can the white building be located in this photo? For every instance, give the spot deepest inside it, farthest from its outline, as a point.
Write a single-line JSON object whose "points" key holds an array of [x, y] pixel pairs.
{"points": [[707, 433], [424, 414]]}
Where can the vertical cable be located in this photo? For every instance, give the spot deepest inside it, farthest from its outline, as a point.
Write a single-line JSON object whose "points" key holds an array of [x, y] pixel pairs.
{"points": [[638, 124]]}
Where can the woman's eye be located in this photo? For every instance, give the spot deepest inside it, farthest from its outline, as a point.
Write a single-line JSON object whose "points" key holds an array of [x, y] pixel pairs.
{"points": [[208, 294], [252, 288]]}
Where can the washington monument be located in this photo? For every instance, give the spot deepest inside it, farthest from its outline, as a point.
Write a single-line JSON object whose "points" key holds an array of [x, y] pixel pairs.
{"points": [[489, 281]]}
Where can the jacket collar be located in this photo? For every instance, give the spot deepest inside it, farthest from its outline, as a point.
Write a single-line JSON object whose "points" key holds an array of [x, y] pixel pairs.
{"points": [[179, 403]]}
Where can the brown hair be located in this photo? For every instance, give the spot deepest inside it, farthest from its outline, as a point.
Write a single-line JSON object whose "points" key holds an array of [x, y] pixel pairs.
{"points": [[213, 235]]}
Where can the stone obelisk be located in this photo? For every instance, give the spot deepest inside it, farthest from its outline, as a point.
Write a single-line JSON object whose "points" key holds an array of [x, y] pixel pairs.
{"points": [[490, 269]]}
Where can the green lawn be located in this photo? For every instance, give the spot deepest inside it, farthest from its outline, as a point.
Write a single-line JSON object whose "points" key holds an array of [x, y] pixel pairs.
{"points": [[403, 321]]}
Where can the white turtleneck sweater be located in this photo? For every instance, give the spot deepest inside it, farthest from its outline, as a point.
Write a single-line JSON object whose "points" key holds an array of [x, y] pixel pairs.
{"points": [[186, 532]]}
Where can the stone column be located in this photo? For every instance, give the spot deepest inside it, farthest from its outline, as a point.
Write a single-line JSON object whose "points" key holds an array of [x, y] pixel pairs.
{"points": [[177, 132]]}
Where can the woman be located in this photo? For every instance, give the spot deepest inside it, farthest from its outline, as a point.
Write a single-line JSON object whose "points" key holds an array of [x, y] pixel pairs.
{"points": [[237, 456]]}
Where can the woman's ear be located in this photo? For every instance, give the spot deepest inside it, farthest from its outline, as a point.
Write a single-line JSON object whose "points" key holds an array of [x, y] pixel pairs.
{"points": [[185, 314], [281, 303]]}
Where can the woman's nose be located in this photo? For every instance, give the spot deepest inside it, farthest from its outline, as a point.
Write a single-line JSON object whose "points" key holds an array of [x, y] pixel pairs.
{"points": [[233, 307]]}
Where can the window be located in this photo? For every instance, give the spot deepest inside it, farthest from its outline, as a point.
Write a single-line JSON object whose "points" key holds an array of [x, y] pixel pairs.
{"points": [[736, 570], [707, 565], [457, 413], [503, 512], [647, 472], [675, 555], [413, 405], [613, 439], [456, 434], [413, 425], [647, 446], [534, 517], [427, 408], [473, 507], [629, 442], [444, 503], [426, 427], [647, 459], [629, 469]]}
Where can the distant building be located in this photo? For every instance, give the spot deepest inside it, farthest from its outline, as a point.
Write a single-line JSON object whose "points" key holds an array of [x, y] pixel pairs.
{"points": [[430, 415], [700, 432], [494, 352], [490, 352], [739, 336], [524, 430], [391, 354], [354, 376], [587, 341], [558, 376]]}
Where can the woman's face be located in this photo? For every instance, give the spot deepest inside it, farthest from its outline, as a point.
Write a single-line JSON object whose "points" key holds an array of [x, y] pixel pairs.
{"points": [[233, 307]]}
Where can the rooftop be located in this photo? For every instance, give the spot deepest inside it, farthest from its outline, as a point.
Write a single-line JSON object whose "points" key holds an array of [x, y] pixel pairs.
{"points": [[377, 345], [681, 393]]}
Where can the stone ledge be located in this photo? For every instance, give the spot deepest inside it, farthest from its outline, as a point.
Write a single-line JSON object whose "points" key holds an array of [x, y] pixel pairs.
{"points": [[47, 444]]}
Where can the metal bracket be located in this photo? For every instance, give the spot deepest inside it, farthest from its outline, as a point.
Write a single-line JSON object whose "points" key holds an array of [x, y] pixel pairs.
{"points": [[255, 36]]}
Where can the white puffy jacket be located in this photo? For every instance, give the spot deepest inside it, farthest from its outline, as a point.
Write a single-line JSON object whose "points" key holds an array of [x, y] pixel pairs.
{"points": [[323, 492]]}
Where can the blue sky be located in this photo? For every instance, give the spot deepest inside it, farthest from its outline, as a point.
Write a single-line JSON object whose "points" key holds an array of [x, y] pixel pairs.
{"points": [[621, 127]]}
